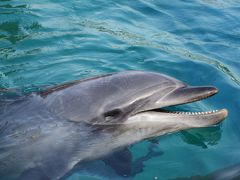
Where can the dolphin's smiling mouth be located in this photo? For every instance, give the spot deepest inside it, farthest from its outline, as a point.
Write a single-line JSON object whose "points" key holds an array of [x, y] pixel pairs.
{"points": [[188, 94], [189, 113]]}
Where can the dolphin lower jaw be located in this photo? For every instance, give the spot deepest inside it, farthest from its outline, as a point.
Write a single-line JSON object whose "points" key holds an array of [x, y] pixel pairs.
{"points": [[156, 123], [199, 119]]}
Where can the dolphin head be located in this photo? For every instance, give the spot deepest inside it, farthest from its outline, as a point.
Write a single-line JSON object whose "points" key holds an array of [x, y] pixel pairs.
{"points": [[143, 111], [134, 100]]}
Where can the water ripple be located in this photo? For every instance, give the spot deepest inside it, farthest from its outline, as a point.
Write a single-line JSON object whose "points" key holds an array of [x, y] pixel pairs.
{"points": [[138, 40], [47, 42]]}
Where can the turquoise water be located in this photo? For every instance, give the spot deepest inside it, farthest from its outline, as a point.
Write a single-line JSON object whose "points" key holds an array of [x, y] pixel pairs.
{"points": [[48, 42]]}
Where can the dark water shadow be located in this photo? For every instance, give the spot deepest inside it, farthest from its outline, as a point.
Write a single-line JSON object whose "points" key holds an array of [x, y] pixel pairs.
{"points": [[15, 31]]}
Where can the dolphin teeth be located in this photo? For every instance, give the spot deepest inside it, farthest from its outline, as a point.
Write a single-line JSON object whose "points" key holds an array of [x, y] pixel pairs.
{"points": [[192, 113]]}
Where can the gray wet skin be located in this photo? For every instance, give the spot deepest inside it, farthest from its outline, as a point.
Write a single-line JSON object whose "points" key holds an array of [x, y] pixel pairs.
{"points": [[45, 135]]}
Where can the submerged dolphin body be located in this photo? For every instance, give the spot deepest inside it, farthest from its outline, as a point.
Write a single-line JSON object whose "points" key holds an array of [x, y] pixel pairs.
{"points": [[44, 135]]}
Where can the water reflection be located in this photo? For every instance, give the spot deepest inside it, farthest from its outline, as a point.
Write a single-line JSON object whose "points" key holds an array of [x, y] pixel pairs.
{"points": [[202, 137], [8, 9]]}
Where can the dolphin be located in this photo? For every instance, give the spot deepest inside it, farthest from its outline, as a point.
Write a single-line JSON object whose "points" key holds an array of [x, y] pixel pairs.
{"points": [[44, 135]]}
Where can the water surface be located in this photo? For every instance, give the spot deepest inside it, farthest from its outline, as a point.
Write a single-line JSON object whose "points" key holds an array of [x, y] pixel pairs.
{"points": [[49, 42]]}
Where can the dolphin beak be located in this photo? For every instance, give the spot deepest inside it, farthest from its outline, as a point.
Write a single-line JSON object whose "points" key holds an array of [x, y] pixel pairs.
{"points": [[190, 94], [185, 95]]}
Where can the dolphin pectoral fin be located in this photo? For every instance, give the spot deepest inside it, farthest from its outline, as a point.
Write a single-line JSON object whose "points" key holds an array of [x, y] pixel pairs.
{"points": [[33, 173], [93, 169], [117, 165]]}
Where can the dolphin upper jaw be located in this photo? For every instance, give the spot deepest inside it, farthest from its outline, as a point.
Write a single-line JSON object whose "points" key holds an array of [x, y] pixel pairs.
{"points": [[185, 94]]}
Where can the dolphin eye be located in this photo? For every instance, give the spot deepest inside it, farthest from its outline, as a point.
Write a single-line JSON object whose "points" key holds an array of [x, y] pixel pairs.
{"points": [[112, 114]]}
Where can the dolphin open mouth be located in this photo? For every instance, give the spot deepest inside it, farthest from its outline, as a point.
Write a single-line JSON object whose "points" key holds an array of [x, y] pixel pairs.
{"points": [[192, 113], [184, 95]]}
